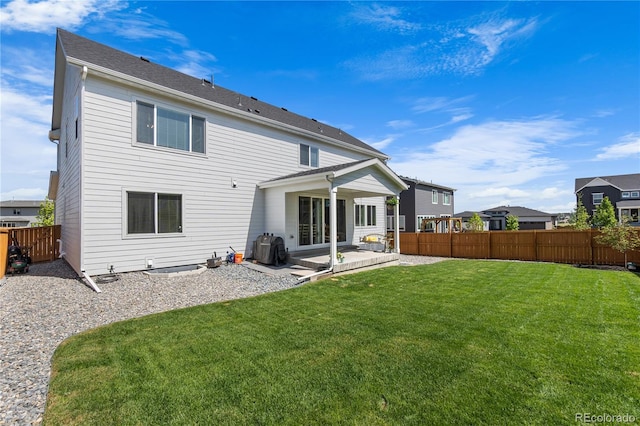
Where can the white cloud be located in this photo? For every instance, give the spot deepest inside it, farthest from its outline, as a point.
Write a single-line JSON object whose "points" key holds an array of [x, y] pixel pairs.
{"points": [[491, 154], [501, 191], [196, 63], [44, 16], [380, 144], [400, 124], [464, 49], [27, 154], [384, 18], [629, 146], [492, 35]]}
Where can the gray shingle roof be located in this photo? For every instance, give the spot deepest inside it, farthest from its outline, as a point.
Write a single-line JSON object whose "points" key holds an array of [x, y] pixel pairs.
{"points": [[519, 211], [624, 182], [321, 170], [91, 52], [467, 214], [429, 184]]}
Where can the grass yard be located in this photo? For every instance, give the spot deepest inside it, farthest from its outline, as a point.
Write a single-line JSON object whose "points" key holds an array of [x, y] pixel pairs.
{"points": [[456, 342]]}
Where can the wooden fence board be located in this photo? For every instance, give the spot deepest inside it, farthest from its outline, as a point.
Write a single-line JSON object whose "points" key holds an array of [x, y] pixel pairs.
{"points": [[41, 241], [559, 246]]}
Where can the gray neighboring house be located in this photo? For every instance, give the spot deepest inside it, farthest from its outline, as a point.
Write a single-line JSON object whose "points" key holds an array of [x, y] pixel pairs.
{"points": [[466, 215], [622, 190], [156, 168], [18, 213], [528, 219], [423, 200]]}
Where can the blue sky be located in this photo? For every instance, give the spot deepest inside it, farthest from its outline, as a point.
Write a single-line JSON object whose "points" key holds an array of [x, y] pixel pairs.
{"points": [[506, 102]]}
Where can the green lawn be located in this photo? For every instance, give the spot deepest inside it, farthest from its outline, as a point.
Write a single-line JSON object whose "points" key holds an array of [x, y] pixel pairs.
{"points": [[457, 342]]}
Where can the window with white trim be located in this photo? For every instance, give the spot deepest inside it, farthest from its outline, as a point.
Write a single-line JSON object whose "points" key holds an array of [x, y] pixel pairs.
{"points": [[626, 194], [168, 128], [365, 215], [153, 213], [434, 196], [424, 224], [446, 198], [309, 155], [597, 197], [635, 194]]}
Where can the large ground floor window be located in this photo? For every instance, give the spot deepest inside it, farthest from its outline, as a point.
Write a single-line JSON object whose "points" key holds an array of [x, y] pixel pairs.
{"points": [[153, 213], [314, 220], [632, 214]]}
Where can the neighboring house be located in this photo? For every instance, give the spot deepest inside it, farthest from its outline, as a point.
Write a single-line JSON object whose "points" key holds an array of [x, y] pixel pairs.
{"points": [[424, 200], [159, 169], [466, 215], [622, 190], [528, 219], [18, 213]]}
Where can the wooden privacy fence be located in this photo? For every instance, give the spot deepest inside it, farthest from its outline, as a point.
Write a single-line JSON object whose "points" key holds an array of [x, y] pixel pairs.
{"points": [[560, 246], [41, 241]]}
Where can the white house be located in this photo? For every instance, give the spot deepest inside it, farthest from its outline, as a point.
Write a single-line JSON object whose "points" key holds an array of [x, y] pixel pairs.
{"points": [[157, 168]]}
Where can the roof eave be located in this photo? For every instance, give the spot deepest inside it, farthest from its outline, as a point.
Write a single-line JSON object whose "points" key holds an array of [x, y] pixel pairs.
{"points": [[134, 81]]}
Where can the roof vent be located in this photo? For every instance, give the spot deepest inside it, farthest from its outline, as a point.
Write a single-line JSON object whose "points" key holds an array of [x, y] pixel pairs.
{"points": [[284, 109], [313, 119], [255, 99], [257, 111], [144, 59]]}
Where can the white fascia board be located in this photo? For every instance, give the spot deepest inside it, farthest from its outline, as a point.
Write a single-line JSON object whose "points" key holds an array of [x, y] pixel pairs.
{"points": [[134, 81]]}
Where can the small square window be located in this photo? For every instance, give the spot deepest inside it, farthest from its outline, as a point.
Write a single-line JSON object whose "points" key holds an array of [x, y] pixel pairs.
{"points": [[597, 197]]}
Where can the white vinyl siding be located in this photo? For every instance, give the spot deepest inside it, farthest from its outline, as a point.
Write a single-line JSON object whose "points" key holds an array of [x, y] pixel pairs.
{"points": [[216, 214]]}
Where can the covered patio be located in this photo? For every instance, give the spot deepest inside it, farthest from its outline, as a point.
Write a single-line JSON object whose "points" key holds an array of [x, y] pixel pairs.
{"points": [[318, 211]]}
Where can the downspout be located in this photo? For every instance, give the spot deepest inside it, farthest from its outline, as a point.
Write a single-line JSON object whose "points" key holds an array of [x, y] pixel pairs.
{"points": [[83, 78], [92, 284]]}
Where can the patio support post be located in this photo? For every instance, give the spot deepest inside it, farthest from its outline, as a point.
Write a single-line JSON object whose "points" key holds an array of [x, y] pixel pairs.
{"points": [[333, 224], [396, 225]]}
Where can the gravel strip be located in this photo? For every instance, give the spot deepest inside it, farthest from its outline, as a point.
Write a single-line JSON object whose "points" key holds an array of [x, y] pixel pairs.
{"points": [[40, 309]]}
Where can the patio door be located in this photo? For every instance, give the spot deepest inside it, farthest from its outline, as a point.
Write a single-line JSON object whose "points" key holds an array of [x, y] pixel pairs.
{"points": [[314, 220]]}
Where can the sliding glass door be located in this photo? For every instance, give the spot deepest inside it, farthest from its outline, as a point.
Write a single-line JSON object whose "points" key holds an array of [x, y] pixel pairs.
{"points": [[314, 220]]}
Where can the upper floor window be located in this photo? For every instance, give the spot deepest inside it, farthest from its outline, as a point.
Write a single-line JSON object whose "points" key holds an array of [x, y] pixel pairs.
{"points": [[597, 197], [172, 129], [16, 211], [309, 155], [446, 198], [434, 196], [630, 194]]}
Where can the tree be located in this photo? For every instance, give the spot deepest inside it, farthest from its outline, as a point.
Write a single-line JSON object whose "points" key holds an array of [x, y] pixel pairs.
{"points": [[579, 218], [45, 214], [621, 237], [512, 223], [604, 216], [475, 223]]}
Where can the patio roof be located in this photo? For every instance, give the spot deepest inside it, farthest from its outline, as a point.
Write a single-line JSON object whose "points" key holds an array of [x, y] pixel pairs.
{"points": [[322, 176]]}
